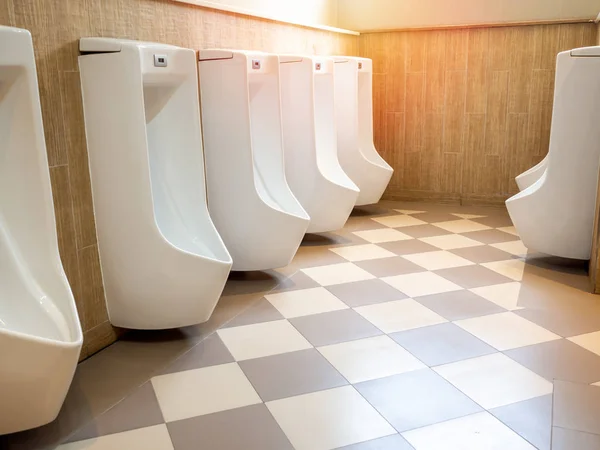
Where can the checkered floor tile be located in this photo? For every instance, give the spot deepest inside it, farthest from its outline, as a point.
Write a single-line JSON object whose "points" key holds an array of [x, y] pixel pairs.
{"points": [[419, 327]]}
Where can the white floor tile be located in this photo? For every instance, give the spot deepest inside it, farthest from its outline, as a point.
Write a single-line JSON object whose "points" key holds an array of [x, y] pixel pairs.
{"points": [[505, 294], [505, 331], [509, 230], [494, 380], [304, 302], [461, 226], [363, 252], [262, 339], [337, 274], [383, 235], [151, 438], [451, 241], [468, 216], [409, 211], [589, 341], [328, 419], [480, 431], [399, 221], [197, 392], [512, 268], [513, 247], [438, 260], [400, 315], [421, 283], [371, 358]]}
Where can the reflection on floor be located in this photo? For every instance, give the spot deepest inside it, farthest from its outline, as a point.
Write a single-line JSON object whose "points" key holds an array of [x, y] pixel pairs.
{"points": [[417, 326]]}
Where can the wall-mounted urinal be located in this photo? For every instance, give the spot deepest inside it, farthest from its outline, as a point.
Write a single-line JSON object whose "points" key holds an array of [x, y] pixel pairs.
{"points": [[258, 216], [40, 334], [530, 176], [310, 142], [354, 115], [163, 262], [555, 215]]}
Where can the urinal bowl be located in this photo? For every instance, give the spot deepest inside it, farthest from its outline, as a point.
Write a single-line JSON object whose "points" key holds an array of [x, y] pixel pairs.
{"points": [[530, 176], [36, 374]]}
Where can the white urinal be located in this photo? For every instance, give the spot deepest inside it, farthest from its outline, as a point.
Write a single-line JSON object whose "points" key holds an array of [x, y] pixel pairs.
{"points": [[354, 114], [163, 262], [40, 334], [260, 220], [555, 215], [310, 142], [530, 176]]}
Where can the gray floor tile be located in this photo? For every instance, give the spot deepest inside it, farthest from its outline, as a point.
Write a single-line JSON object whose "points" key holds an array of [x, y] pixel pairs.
{"points": [[576, 407], [312, 256], [248, 428], [210, 352], [241, 283], [495, 221], [262, 311], [423, 231], [408, 247], [563, 439], [291, 374], [139, 410], [442, 344], [299, 280], [389, 267], [459, 305], [416, 399], [560, 360], [361, 224], [564, 321], [491, 236], [482, 253], [369, 292], [393, 442], [335, 327], [532, 419], [435, 217], [472, 276]]}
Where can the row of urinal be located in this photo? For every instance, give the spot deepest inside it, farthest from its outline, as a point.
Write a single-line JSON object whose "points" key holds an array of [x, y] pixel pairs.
{"points": [[163, 262], [555, 209]]}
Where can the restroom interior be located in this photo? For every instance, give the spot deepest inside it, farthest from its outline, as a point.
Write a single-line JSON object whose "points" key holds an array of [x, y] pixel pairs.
{"points": [[458, 113]]}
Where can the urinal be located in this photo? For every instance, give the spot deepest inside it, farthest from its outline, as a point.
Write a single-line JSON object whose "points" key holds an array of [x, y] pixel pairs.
{"points": [[163, 263], [555, 215], [40, 334], [354, 115], [530, 176], [312, 167], [258, 216]]}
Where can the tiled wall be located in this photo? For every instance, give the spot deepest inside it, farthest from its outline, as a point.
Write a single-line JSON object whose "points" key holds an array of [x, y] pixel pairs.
{"points": [[459, 113], [56, 26]]}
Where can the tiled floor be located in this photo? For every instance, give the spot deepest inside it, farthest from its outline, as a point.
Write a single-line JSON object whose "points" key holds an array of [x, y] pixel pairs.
{"points": [[417, 326]]}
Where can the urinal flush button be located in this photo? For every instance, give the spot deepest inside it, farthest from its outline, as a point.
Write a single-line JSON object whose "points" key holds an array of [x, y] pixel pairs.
{"points": [[318, 66], [256, 64], [160, 60], [360, 65]]}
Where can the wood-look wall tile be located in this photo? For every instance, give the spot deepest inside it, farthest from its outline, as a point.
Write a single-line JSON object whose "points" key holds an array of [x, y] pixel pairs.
{"points": [[569, 36], [416, 50], [6, 12], [540, 114], [452, 172], [474, 150], [396, 81], [457, 49], [495, 130], [435, 71], [92, 289], [517, 151], [394, 145], [415, 98], [499, 46], [79, 175], [522, 46], [97, 338], [432, 152], [477, 69], [379, 47], [379, 110], [546, 46], [412, 170], [65, 228], [456, 84]]}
